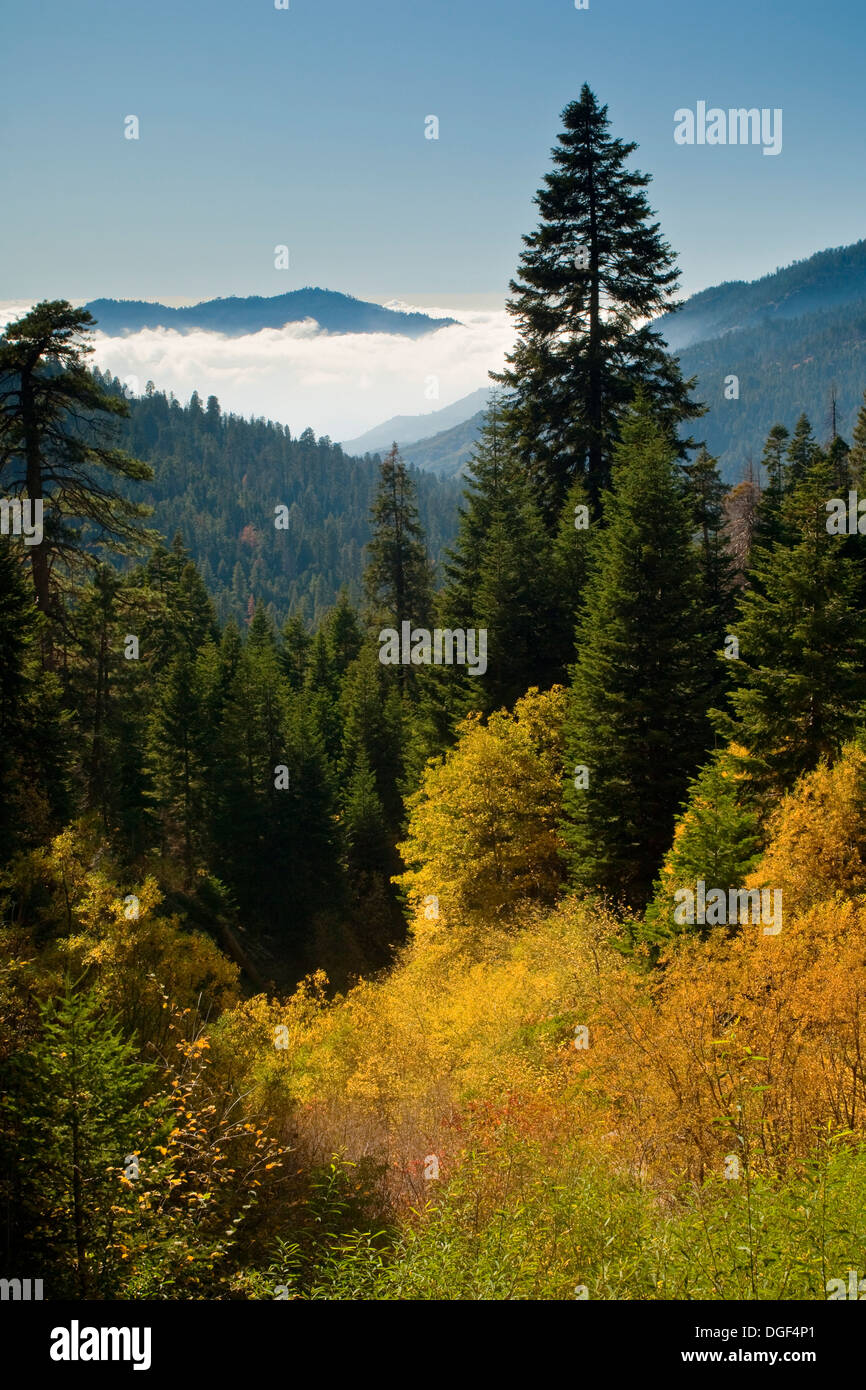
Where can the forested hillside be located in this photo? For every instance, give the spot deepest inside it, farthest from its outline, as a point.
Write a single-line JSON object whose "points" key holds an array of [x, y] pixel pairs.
{"points": [[495, 932], [217, 480]]}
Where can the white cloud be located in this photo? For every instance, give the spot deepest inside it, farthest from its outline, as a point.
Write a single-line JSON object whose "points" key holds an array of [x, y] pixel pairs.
{"points": [[340, 385]]}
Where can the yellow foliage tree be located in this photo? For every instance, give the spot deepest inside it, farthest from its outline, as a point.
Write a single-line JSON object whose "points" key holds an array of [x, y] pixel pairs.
{"points": [[482, 831], [817, 842], [69, 915]]}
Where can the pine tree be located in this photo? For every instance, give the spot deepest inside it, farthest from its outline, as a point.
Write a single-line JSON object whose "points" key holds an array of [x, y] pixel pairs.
{"points": [[857, 455], [76, 1111], [592, 277], [768, 518], [498, 576], [801, 454], [705, 494], [636, 719], [716, 839], [46, 393], [802, 639], [177, 758], [570, 570], [398, 578]]}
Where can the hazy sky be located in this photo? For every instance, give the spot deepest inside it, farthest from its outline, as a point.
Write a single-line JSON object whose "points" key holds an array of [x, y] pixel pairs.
{"points": [[306, 127]]}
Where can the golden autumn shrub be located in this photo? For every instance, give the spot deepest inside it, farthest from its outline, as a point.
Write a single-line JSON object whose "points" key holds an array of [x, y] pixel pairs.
{"points": [[482, 830], [747, 1045], [69, 916], [817, 836], [396, 1064]]}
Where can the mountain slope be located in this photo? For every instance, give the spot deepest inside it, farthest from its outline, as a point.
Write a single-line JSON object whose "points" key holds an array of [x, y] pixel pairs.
{"points": [[217, 481], [784, 367], [403, 429], [447, 452], [333, 312], [826, 280]]}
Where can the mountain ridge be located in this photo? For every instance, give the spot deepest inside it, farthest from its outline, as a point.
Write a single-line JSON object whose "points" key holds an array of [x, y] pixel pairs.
{"points": [[235, 316]]}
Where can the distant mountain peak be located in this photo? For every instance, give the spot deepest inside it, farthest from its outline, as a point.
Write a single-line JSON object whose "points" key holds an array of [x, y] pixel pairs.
{"points": [[237, 316]]}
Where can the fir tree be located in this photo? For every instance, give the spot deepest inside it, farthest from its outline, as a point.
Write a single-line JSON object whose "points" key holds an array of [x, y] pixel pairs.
{"points": [[705, 494], [398, 578], [636, 719], [177, 758], [857, 454], [498, 577], [768, 517], [716, 839], [296, 643], [55, 443], [801, 454], [802, 639], [76, 1112], [372, 719], [570, 570], [592, 277], [343, 634]]}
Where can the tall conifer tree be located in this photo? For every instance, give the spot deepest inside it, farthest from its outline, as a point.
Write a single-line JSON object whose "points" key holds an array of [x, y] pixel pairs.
{"points": [[592, 276], [498, 576], [636, 719]]}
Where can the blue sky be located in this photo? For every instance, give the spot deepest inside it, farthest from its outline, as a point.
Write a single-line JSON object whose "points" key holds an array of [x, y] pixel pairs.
{"points": [[306, 127]]}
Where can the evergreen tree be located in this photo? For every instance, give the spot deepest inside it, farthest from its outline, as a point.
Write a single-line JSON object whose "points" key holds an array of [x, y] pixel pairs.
{"points": [[802, 638], [322, 696], [398, 580], [570, 570], [498, 577], [55, 446], [636, 719], [837, 458], [17, 621], [343, 634], [768, 518], [74, 1114], [296, 644], [274, 831], [177, 758], [705, 494], [177, 613], [372, 720], [716, 839], [109, 694], [857, 455], [801, 454], [592, 277]]}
